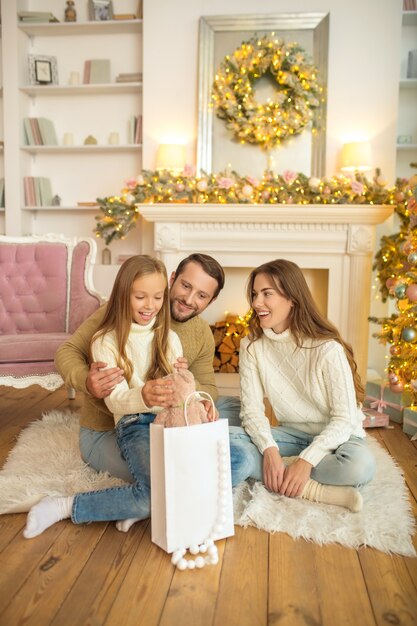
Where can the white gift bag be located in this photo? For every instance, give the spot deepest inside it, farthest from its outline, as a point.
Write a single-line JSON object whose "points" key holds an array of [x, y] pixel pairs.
{"points": [[191, 485]]}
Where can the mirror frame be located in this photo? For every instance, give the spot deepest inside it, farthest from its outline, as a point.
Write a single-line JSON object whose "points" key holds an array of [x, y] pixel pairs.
{"points": [[210, 25]]}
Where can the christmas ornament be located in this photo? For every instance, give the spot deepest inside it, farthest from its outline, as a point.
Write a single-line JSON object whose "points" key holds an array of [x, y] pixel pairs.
{"points": [[411, 292], [412, 258], [400, 291], [395, 350], [397, 387], [409, 334], [393, 378]]}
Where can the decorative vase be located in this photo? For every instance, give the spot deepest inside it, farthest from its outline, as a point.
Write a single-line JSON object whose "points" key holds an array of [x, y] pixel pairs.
{"points": [[70, 12]]}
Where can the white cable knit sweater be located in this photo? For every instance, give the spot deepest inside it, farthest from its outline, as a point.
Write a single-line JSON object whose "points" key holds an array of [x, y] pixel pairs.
{"points": [[124, 400], [310, 389]]}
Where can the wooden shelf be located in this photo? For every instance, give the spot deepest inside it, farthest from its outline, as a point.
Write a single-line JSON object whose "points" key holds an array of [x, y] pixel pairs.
{"points": [[132, 147], [83, 90], [62, 209], [57, 29]]}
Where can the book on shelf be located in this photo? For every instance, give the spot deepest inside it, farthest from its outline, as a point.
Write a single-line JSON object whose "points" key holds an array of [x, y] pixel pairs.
{"points": [[39, 131], [36, 17], [38, 191], [96, 71], [409, 5], [124, 16], [129, 77], [412, 64], [135, 129]]}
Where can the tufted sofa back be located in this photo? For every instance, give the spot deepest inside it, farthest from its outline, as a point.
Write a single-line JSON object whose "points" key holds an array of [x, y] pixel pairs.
{"points": [[33, 287]]}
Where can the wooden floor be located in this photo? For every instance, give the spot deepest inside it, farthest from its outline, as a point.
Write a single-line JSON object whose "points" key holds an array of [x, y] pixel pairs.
{"points": [[93, 574]]}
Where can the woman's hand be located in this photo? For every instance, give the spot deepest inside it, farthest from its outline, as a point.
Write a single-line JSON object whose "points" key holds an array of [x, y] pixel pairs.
{"points": [[100, 382], [273, 469], [295, 478], [159, 392]]}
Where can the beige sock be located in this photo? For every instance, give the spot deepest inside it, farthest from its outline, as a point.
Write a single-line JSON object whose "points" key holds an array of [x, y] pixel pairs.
{"points": [[348, 497]]}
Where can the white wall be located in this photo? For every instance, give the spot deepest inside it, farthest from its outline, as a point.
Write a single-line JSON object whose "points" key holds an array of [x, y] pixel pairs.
{"points": [[363, 76]]}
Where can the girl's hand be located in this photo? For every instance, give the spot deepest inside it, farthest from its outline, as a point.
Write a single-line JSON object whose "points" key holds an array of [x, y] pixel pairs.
{"points": [[295, 478], [273, 469], [212, 412], [181, 363], [158, 392]]}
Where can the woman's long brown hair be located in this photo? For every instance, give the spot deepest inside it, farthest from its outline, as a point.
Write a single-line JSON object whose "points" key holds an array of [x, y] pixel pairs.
{"points": [[305, 318], [118, 316]]}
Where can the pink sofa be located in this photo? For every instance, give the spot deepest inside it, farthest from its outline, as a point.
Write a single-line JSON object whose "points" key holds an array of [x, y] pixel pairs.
{"points": [[45, 293]]}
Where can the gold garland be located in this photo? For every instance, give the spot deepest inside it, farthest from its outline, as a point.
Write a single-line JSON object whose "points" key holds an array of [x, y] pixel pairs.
{"points": [[298, 91]]}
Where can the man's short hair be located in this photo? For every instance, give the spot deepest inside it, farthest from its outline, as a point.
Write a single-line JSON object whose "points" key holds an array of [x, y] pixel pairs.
{"points": [[208, 264]]}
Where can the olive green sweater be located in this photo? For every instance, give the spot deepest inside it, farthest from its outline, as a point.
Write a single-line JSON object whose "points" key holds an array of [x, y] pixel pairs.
{"points": [[71, 360]]}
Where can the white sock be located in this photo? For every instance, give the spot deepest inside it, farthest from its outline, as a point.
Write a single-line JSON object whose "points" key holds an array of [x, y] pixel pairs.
{"points": [[46, 513], [125, 524], [348, 497]]}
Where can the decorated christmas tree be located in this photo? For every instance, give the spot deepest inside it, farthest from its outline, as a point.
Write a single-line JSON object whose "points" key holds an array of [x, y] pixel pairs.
{"points": [[396, 262]]}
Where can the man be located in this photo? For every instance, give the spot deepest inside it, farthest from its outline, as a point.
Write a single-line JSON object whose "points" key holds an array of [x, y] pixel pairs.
{"points": [[196, 283]]}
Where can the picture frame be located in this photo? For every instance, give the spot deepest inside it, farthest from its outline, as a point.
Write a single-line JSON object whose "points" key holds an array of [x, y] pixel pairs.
{"points": [[43, 70], [100, 10], [221, 34]]}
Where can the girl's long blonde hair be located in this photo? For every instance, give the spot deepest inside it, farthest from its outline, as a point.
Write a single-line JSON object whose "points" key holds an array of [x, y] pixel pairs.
{"points": [[305, 320], [118, 316]]}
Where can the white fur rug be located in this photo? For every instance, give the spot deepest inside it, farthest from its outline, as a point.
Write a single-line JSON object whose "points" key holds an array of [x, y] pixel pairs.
{"points": [[46, 461]]}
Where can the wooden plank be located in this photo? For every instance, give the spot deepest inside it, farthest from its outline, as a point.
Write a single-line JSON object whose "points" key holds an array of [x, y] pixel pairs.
{"points": [[402, 449], [343, 597], [10, 526], [42, 593], [293, 597], [142, 596], [94, 591], [391, 590], [243, 591], [192, 595], [20, 559]]}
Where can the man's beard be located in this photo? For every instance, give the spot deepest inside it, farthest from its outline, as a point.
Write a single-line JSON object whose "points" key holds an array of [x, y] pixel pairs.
{"points": [[183, 318]]}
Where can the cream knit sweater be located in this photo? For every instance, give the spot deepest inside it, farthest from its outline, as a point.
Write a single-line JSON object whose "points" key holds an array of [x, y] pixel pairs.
{"points": [[124, 400], [310, 389]]}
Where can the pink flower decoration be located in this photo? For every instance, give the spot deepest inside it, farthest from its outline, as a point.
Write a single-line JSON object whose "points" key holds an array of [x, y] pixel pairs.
{"points": [[225, 183], [130, 183], [189, 170], [357, 187], [289, 176], [252, 181]]}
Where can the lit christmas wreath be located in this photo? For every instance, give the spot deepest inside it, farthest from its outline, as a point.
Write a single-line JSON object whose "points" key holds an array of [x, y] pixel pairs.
{"points": [[292, 109]]}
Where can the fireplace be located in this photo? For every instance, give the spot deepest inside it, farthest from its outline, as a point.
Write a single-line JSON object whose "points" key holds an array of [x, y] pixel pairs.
{"points": [[333, 243]]}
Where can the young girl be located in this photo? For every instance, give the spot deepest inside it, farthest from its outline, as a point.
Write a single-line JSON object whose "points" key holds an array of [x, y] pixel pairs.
{"points": [[134, 336], [298, 360]]}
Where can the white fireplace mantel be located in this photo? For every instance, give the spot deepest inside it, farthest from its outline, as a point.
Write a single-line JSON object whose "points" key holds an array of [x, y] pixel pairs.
{"points": [[338, 238]]}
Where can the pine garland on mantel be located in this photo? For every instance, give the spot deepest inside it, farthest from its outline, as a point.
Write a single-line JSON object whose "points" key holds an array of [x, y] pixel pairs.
{"points": [[120, 213]]}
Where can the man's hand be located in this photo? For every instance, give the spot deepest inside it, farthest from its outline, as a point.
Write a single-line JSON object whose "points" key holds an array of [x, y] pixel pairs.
{"points": [[181, 363], [100, 382], [212, 412], [295, 478], [158, 392], [273, 469]]}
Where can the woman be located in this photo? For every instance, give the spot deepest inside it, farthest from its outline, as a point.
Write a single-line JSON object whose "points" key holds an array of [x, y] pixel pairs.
{"points": [[298, 360]]}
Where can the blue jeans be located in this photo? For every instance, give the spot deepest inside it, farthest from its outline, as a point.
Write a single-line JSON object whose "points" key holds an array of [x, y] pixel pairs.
{"points": [[101, 451], [130, 501], [350, 464]]}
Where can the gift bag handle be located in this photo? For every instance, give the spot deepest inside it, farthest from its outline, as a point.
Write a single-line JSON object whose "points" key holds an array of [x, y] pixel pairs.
{"points": [[197, 393]]}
